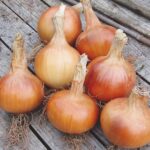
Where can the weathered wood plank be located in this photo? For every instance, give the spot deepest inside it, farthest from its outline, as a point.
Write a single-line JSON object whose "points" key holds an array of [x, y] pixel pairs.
{"points": [[58, 140], [10, 24], [25, 9], [52, 2], [133, 48], [5, 121], [4, 59], [123, 15], [141, 6], [142, 56]]}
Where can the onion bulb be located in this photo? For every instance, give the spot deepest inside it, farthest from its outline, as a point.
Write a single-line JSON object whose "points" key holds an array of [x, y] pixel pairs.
{"points": [[126, 121], [111, 76], [55, 63], [72, 24], [97, 38], [20, 91], [72, 111]]}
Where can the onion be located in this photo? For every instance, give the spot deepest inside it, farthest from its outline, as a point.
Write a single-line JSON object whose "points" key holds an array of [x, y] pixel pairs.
{"points": [[111, 76], [55, 63], [20, 91], [97, 38], [72, 111], [126, 121], [72, 24]]}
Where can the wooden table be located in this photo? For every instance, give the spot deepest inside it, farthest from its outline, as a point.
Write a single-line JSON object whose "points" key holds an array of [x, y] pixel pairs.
{"points": [[22, 15]]}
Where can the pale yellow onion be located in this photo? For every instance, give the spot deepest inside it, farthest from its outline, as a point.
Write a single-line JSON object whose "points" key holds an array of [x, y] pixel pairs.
{"points": [[55, 63]]}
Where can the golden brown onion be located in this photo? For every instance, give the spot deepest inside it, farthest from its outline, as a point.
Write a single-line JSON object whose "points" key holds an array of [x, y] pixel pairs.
{"points": [[111, 76], [20, 91], [126, 121], [72, 24], [97, 38], [72, 111]]}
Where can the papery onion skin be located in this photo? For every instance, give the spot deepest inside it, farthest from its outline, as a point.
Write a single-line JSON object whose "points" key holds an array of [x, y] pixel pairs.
{"points": [[107, 80], [20, 92], [97, 38], [72, 114], [111, 76], [55, 63], [95, 41], [72, 25], [126, 125], [56, 68]]}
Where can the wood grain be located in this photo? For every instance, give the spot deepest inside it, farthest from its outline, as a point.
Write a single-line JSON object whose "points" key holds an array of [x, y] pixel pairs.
{"points": [[5, 121], [5, 59], [10, 24], [53, 2], [140, 6], [123, 15]]}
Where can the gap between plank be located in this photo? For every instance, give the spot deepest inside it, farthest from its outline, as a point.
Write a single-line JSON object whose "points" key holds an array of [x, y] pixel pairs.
{"points": [[19, 17], [39, 137], [142, 78], [132, 9], [98, 138], [45, 3]]}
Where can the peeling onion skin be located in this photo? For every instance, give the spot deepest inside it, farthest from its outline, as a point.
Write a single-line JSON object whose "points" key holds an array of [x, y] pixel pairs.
{"points": [[127, 124], [20, 92], [97, 38], [72, 25], [72, 114], [111, 76]]}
